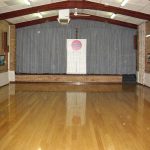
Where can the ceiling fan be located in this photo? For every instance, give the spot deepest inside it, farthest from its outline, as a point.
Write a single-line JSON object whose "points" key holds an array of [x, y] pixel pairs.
{"points": [[79, 14]]}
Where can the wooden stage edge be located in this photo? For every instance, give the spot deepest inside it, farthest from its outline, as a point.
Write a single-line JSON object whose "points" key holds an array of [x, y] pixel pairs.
{"points": [[70, 78]]}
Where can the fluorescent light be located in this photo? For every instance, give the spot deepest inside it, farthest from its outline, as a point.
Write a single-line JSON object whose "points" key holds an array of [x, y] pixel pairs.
{"points": [[27, 2], [113, 16], [106, 4], [39, 15], [124, 2], [148, 35]]}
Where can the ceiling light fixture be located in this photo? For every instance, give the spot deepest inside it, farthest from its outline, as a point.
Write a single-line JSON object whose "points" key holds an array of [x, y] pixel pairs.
{"points": [[148, 35], [124, 2], [27, 2], [113, 16], [39, 15], [106, 4]]}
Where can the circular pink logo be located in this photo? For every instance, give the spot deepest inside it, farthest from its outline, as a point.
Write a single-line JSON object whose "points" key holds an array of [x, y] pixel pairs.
{"points": [[76, 45]]}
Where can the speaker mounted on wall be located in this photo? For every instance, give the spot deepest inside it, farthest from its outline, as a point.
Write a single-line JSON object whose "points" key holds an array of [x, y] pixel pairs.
{"points": [[5, 46]]}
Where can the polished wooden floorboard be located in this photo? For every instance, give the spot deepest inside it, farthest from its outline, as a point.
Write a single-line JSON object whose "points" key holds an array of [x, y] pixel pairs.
{"points": [[74, 117]]}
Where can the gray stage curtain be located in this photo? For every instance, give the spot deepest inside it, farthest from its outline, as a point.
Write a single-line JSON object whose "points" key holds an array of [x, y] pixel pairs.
{"points": [[110, 49], [42, 48]]}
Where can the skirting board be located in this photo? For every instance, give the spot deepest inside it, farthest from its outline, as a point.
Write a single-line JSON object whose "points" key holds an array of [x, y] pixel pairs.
{"points": [[4, 79], [147, 79], [70, 78], [12, 76]]}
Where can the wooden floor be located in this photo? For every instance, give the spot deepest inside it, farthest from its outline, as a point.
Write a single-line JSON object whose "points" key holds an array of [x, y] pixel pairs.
{"points": [[74, 117]]}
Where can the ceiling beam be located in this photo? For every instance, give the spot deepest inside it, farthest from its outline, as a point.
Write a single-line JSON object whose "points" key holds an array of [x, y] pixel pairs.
{"points": [[91, 17], [74, 4]]}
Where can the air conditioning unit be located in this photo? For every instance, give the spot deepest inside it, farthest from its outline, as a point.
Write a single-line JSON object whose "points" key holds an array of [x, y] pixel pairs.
{"points": [[64, 16]]}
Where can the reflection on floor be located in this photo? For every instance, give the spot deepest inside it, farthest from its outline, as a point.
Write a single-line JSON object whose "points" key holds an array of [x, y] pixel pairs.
{"points": [[74, 117], [76, 106]]}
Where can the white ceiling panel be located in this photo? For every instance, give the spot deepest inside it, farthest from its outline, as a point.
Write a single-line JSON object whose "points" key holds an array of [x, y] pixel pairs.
{"points": [[32, 17], [137, 5], [134, 20], [146, 9], [121, 17], [139, 2], [15, 7], [49, 13], [12, 5], [115, 3], [134, 7], [2, 4], [41, 2], [97, 13], [108, 2], [5, 9], [17, 20], [29, 17], [13, 2]]}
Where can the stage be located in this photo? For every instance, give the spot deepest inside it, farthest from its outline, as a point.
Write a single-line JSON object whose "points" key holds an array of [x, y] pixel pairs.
{"points": [[70, 78]]}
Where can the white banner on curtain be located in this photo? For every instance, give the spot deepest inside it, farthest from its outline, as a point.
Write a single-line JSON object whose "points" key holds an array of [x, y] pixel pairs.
{"points": [[76, 56]]}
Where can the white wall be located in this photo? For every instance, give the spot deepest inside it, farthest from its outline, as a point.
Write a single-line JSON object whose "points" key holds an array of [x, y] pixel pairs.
{"points": [[4, 78], [147, 79], [12, 76]]}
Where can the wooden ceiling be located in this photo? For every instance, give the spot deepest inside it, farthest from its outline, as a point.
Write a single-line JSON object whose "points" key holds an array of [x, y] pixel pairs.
{"points": [[76, 4]]}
